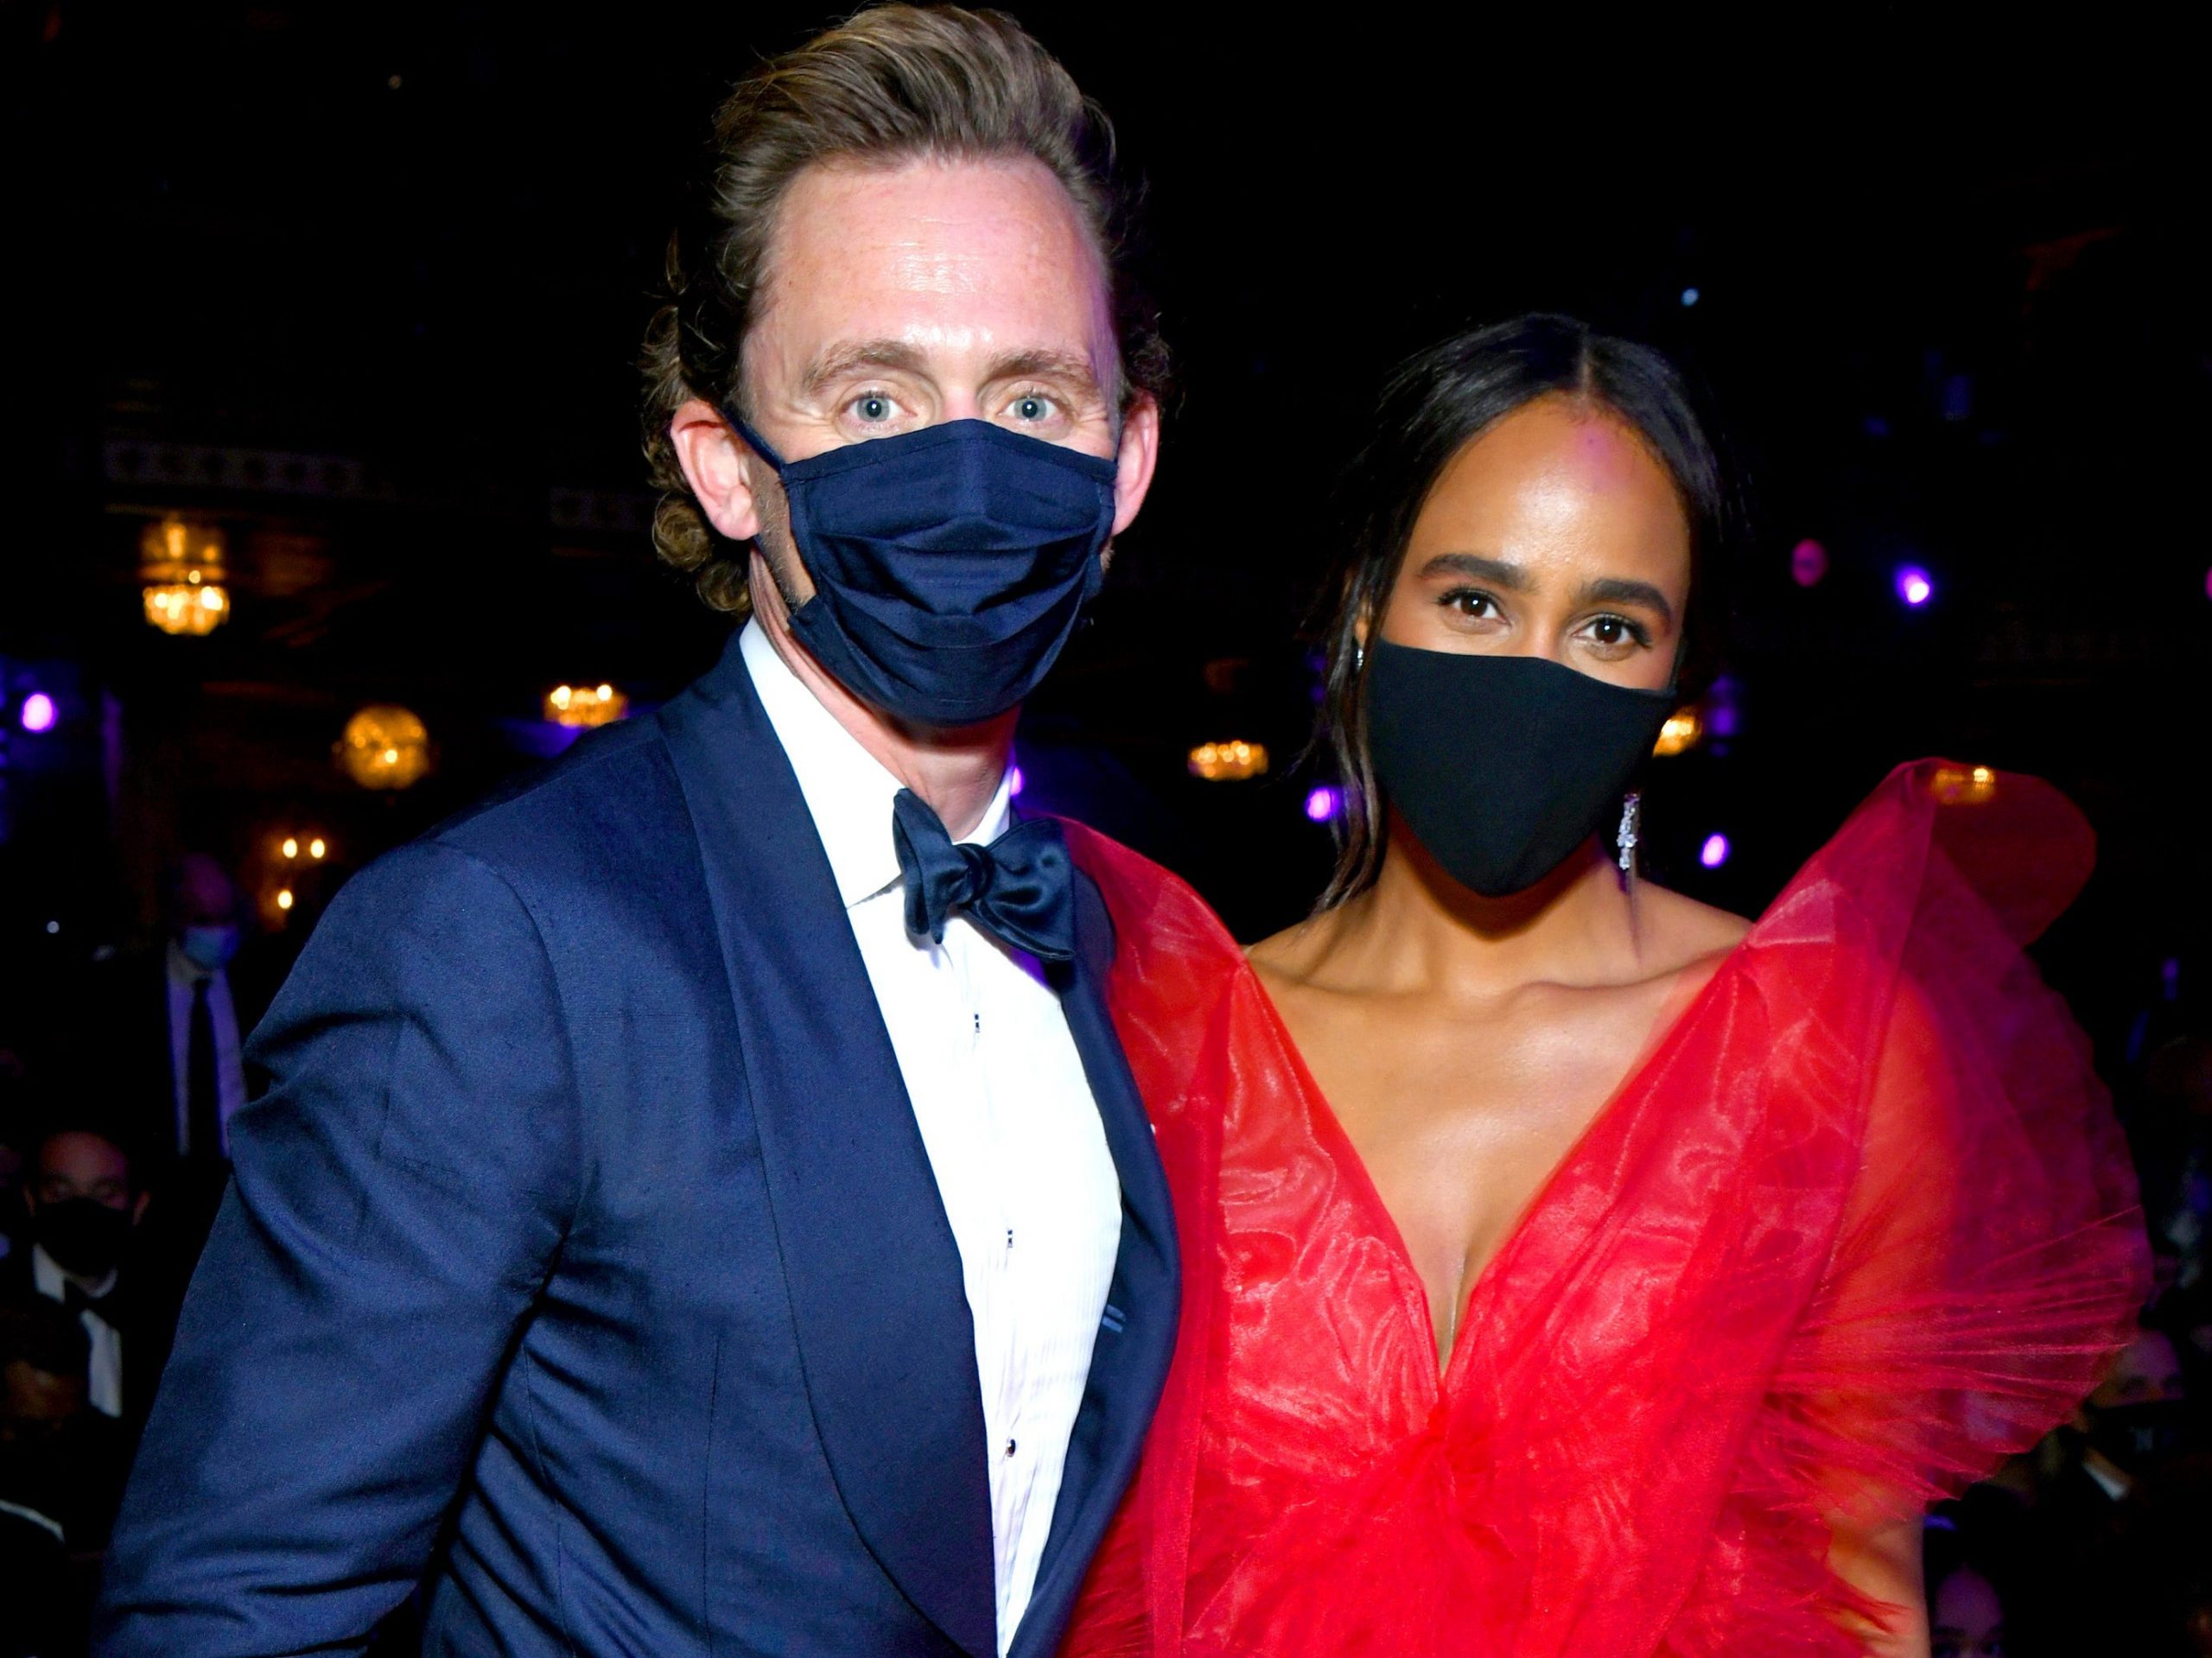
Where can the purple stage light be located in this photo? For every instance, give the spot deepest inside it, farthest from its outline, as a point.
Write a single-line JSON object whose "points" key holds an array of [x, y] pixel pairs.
{"points": [[38, 712], [1016, 783], [1915, 586], [1809, 562], [1321, 802], [1714, 852]]}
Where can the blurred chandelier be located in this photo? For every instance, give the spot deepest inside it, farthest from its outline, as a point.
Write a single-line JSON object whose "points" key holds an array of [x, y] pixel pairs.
{"points": [[585, 705], [385, 746], [1228, 762], [181, 565]]}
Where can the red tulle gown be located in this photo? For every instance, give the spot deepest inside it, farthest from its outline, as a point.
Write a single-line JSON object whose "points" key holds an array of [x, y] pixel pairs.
{"points": [[1858, 1223]]}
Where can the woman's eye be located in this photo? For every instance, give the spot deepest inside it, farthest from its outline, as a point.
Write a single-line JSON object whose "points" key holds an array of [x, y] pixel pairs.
{"points": [[1617, 633], [1475, 607]]}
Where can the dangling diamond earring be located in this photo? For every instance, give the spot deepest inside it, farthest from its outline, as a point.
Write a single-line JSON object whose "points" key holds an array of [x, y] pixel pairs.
{"points": [[1624, 838]]}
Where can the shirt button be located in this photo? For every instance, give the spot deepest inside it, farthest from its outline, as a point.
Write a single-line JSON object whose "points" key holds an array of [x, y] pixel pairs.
{"points": [[1009, 1447]]}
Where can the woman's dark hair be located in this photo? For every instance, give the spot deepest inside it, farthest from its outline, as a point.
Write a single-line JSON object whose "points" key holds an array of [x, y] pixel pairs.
{"points": [[1435, 404]]}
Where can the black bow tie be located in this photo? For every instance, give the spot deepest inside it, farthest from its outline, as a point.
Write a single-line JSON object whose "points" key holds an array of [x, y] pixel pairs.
{"points": [[1021, 886], [74, 1298]]}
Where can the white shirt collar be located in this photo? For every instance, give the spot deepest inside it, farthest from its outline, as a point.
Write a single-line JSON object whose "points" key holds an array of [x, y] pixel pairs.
{"points": [[183, 970], [847, 790], [48, 1277], [2114, 1484]]}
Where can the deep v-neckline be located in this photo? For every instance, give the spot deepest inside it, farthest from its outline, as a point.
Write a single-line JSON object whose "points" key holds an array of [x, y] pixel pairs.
{"points": [[1336, 1144]]}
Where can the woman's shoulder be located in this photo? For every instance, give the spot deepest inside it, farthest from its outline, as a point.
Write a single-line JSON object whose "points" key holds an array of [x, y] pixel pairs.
{"points": [[1680, 930], [1289, 957]]}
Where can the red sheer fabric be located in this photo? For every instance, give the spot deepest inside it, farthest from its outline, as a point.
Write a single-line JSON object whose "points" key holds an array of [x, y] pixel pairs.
{"points": [[1857, 1224]]}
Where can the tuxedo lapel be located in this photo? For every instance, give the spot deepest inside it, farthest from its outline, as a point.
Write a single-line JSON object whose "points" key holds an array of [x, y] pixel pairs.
{"points": [[1128, 1364], [873, 1273]]}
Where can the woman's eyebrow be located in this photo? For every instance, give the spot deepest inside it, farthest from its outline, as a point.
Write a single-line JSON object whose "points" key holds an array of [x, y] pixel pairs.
{"points": [[1614, 590], [1499, 572]]}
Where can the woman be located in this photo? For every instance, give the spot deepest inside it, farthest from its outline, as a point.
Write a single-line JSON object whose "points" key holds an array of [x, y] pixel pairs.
{"points": [[1570, 1266]]}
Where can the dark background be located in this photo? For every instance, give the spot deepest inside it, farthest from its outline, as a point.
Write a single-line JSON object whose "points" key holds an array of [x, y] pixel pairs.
{"points": [[1948, 298]]}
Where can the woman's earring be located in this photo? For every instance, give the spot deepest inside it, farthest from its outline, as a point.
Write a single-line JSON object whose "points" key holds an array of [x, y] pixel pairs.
{"points": [[1359, 656], [1624, 838]]}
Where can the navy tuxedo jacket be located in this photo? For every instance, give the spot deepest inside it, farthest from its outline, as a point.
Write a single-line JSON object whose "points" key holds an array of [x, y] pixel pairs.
{"points": [[583, 1261]]}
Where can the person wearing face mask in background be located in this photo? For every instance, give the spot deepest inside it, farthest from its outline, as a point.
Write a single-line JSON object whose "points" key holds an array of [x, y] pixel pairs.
{"points": [[164, 1028], [2117, 1533], [85, 1206], [1571, 1267]]}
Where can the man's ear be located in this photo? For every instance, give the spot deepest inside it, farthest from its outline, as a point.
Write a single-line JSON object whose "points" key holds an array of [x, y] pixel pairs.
{"points": [[1138, 454], [719, 466]]}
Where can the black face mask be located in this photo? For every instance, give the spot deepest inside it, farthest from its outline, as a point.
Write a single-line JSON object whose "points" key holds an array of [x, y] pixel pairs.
{"points": [[1502, 765], [2139, 1437], [84, 1235]]}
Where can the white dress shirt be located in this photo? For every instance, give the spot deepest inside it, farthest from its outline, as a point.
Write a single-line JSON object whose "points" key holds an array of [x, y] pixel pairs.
{"points": [[1006, 1115], [230, 1069], [105, 1390]]}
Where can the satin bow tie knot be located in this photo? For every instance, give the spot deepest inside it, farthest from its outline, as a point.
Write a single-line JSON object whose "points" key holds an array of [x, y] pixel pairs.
{"points": [[1020, 887]]}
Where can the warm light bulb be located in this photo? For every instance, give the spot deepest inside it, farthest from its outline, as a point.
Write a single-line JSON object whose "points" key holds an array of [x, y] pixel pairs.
{"points": [[316, 848], [285, 899], [291, 847], [1682, 731]]}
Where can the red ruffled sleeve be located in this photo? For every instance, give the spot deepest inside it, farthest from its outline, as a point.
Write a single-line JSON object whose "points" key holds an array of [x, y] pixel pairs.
{"points": [[1990, 1257]]}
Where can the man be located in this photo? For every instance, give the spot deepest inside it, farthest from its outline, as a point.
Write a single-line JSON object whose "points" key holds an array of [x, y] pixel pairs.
{"points": [[84, 1202], [2113, 1528], [698, 1202], [42, 1355], [164, 1027]]}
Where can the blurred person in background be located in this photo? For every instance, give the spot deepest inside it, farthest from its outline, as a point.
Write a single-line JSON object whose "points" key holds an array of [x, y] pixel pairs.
{"points": [[85, 1204], [2114, 1525], [42, 1355], [62, 1470], [169, 1023], [1965, 1610]]}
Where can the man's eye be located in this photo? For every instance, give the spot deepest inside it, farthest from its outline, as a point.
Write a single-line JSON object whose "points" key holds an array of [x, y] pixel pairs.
{"points": [[873, 406], [1032, 407]]}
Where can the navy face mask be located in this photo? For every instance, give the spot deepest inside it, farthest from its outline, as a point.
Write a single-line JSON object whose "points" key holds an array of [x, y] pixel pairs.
{"points": [[950, 564], [1502, 765]]}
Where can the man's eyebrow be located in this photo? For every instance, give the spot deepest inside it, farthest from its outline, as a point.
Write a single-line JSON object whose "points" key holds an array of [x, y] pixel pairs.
{"points": [[1614, 590], [1498, 572], [861, 353], [1043, 363]]}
